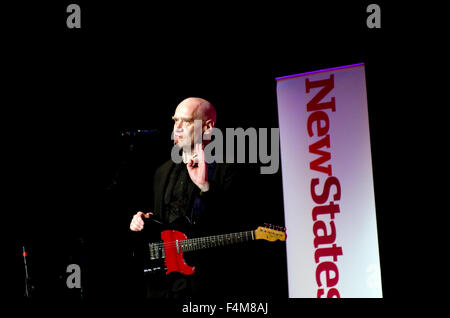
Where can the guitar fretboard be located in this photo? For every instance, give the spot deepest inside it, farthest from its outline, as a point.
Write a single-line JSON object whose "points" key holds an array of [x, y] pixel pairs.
{"points": [[193, 244], [215, 240]]}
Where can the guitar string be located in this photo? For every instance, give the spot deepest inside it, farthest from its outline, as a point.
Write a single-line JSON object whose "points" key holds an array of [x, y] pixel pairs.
{"points": [[208, 239], [198, 240], [204, 240]]}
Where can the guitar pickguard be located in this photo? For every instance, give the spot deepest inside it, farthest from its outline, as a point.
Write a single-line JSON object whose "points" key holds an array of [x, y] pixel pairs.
{"points": [[173, 254]]}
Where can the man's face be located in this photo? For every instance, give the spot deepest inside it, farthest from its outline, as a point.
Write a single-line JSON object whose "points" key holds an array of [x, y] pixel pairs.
{"points": [[183, 127]]}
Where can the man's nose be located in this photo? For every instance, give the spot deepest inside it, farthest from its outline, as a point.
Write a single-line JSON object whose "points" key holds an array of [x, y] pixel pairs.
{"points": [[178, 125]]}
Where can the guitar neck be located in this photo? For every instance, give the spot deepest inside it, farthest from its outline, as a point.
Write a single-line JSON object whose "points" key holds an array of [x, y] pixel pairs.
{"points": [[158, 249], [195, 244]]}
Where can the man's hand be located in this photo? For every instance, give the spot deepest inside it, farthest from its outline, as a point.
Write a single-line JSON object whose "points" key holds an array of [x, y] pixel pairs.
{"points": [[198, 170], [137, 223]]}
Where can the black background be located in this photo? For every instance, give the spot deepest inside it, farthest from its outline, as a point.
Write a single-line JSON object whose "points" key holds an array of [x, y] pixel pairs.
{"points": [[69, 93]]}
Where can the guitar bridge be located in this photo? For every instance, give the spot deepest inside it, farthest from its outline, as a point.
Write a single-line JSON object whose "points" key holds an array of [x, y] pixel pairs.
{"points": [[156, 250]]}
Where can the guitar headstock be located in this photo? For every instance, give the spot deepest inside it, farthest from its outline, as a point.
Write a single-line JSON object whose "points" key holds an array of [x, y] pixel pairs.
{"points": [[270, 233]]}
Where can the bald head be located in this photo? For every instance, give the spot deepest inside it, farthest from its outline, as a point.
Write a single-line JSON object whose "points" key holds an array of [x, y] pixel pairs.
{"points": [[187, 112], [199, 108]]}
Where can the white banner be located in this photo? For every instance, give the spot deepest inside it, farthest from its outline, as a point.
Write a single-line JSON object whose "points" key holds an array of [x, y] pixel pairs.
{"points": [[332, 243]]}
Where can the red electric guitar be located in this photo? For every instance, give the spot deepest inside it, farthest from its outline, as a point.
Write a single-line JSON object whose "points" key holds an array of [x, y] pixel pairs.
{"points": [[175, 243]]}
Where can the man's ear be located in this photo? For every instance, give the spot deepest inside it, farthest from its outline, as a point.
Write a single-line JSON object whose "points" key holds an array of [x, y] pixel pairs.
{"points": [[209, 124], [208, 127]]}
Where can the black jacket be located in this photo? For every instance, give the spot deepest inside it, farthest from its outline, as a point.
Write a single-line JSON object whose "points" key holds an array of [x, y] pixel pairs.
{"points": [[229, 207], [219, 200]]}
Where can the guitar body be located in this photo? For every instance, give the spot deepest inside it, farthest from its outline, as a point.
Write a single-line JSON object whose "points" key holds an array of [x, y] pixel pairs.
{"points": [[173, 254], [175, 243]]}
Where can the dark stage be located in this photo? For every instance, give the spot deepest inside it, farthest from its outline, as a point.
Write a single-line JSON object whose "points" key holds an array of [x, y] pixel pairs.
{"points": [[72, 92]]}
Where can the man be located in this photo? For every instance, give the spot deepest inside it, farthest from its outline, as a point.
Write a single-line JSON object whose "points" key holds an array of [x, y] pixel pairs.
{"points": [[193, 197]]}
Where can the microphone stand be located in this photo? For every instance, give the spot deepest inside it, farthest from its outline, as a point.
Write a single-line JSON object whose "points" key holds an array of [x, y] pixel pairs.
{"points": [[27, 276]]}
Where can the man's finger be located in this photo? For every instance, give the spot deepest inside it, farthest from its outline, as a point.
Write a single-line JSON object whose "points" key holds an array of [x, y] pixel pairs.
{"points": [[137, 220], [147, 215], [200, 152], [136, 227]]}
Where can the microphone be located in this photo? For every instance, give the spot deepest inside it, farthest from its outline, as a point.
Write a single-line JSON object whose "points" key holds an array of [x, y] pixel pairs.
{"points": [[139, 132]]}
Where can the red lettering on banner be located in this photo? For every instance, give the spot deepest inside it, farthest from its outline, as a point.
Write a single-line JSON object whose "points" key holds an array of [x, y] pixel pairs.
{"points": [[320, 292], [318, 117], [324, 156], [319, 199], [330, 209], [333, 292], [326, 250], [325, 238], [327, 85], [327, 267], [333, 251]]}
